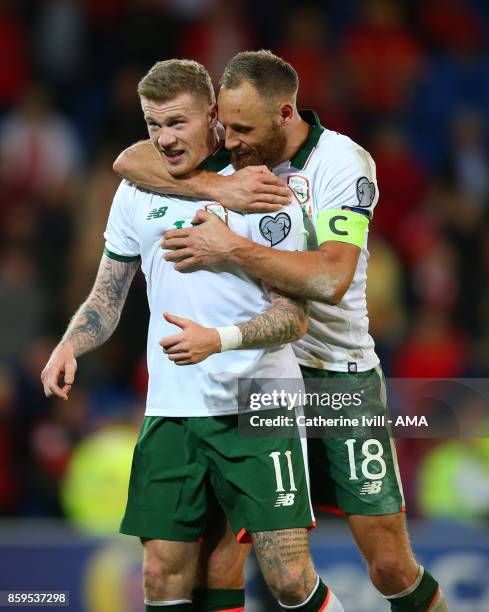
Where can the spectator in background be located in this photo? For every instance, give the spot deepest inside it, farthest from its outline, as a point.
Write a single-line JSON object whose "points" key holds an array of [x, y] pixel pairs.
{"points": [[141, 32], [468, 162], [434, 348], [39, 150], [22, 302], [58, 41], [94, 492], [219, 35], [385, 292], [480, 346], [435, 279], [54, 433], [90, 219], [454, 481], [383, 59], [305, 45], [8, 438], [103, 13], [14, 64], [455, 77], [402, 179], [453, 477], [451, 24], [122, 123]]}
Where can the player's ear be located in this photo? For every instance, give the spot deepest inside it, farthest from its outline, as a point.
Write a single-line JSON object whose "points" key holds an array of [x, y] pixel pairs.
{"points": [[286, 112], [213, 115]]}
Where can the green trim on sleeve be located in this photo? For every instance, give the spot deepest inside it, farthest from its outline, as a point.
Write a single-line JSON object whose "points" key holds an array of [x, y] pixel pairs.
{"points": [[119, 257], [342, 226]]}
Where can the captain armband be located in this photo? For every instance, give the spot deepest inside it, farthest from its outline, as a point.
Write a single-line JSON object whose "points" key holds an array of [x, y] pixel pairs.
{"points": [[342, 226]]}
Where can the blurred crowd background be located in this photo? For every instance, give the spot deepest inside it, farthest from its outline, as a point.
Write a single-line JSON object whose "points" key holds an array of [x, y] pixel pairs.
{"points": [[409, 80]]}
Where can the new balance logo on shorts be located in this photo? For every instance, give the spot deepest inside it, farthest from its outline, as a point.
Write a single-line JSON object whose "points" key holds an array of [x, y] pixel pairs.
{"points": [[285, 499], [369, 488]]}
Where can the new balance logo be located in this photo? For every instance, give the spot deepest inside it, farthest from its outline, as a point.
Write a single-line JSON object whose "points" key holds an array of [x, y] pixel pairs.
{"points": [[370, 488], [285, 499], [157, 213]]}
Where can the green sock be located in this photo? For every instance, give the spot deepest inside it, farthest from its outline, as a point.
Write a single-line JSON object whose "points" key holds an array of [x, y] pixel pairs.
{"points": [[314, 604], [183, 607], [218, 600], [419, 599]]}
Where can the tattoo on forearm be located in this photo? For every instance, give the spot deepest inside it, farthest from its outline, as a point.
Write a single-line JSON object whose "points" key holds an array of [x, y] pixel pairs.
{"points": [[284, 559], [98, 316], [284, 322]]}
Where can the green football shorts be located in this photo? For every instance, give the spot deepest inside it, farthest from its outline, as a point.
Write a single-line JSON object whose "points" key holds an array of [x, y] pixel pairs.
{"points": [[180, 464], [355, 475]]}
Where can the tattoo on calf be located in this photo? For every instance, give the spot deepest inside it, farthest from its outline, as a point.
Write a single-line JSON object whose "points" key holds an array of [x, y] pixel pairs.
{"points": [[285, 560]]}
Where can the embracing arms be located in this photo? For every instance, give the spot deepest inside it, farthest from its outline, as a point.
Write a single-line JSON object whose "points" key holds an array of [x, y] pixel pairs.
{"points": [[251, 189], [92, 324], [323, 275]]}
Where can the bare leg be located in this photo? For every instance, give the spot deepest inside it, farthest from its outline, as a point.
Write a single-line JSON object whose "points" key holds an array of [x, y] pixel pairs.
{"points": [[285, 561], [169, 569], [384, 543], [222, 558]]}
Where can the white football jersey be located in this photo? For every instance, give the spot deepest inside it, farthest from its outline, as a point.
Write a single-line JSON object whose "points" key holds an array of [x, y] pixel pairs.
{"points": [[330, 171], [218, 296]]}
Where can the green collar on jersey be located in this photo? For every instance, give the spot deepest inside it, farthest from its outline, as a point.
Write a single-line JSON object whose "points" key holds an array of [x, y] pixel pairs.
{"points": [[300, 158], [217, 161]]}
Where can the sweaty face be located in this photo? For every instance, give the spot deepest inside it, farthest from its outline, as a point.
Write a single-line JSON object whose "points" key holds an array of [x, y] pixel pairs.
{"points": [[180, 129], [253, 135]]}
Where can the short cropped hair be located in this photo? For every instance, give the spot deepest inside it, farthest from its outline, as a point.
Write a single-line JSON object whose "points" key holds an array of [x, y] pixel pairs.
{"points": [[269, 74], [169, 78]]}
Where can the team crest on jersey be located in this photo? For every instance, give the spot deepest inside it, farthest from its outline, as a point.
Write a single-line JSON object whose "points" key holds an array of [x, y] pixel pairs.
{"points": [[275, 229], [365, 192], [219, 210], [299, 186]]}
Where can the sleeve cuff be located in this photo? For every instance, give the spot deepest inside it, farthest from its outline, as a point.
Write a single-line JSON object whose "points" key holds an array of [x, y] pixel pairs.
{"points": [[117, 257]]}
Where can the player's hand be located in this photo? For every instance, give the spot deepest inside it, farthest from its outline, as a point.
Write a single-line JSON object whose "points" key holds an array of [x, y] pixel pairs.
{"points": [[252, 189], [59, 374], [193, 344], [209, 243]]}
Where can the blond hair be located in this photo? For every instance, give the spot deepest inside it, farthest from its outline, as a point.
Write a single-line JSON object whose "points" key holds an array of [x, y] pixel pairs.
{"points": [[169, 78]]}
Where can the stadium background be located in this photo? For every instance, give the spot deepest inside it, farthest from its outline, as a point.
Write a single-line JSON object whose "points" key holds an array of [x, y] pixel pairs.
{"points": [[409, 81]]}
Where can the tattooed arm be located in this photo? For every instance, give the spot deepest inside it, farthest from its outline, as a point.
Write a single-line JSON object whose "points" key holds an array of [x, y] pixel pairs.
{"points": [[91, 325], [285, 321]]}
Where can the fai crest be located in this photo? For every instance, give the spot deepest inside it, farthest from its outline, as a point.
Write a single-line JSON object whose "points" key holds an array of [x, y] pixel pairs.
{"points": [[275, 229], [365, 192], [299, 186], [219, 210]]}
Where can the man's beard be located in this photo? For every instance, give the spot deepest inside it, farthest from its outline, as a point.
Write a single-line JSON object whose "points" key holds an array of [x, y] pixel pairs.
{"points": [[268, 153]]}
